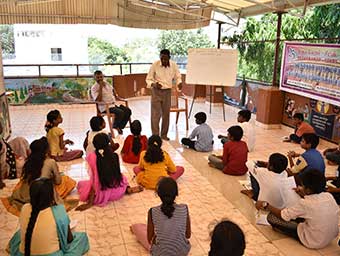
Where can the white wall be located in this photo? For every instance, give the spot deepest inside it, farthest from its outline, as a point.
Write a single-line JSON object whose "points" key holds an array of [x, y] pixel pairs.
{"points": [[33, 43]]}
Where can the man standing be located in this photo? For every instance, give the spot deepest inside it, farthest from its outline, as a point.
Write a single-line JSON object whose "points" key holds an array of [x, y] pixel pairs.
{"points": [[160, 79], [103, 92]]}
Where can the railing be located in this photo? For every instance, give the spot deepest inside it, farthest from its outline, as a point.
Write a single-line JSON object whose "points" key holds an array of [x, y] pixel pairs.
{"points": [[15, 71]]}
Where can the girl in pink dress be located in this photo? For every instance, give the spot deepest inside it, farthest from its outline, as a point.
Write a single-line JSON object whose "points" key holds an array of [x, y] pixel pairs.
{"points": [[106, 182]]}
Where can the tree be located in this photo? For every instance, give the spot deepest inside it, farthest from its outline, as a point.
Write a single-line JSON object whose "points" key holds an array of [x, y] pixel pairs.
{"points": [[7, 39], [256, 59], [179, 41], [26, 90], [16, 98], [22, 95], [102, 51]]}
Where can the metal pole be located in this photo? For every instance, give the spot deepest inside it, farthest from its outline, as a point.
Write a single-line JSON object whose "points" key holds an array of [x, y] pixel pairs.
{"points": [[277, 48], [218, 47], [219, 35]]}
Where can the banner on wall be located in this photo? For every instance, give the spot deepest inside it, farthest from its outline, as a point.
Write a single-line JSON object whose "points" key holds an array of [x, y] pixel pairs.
{"points": [[312, 70]]}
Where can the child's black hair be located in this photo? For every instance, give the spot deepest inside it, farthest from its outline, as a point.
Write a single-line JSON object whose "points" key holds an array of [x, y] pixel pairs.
{"points": [[299, 116], [201, 117], [227, 239], [154, 152], [96, 123], [107, 162], [136, 128], [314, 180], [35, 161], [311, 138], [245, 113], [51, 117], [236, 132], [277, 162], [42, 197], [167, 190]]}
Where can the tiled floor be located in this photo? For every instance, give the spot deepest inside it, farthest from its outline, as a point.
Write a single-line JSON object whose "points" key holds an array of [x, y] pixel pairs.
{"points": [[210, 194]]}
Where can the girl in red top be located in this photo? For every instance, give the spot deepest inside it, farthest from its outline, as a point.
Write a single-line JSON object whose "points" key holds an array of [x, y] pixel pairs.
{"points": [[134, 144]]}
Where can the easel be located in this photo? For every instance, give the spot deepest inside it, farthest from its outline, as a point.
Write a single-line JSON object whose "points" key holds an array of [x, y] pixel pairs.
{"points": [[210, 99]]}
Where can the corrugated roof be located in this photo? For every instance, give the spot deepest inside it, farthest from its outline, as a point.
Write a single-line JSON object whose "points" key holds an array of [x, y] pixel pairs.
{"points": [[163, 14]]}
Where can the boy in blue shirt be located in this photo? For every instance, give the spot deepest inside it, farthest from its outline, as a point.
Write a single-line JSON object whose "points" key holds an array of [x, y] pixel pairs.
{"points": [[203, 132], [310, 159]]}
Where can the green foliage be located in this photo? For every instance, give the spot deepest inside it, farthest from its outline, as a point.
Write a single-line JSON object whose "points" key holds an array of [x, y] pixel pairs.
{"points": [[25, 90], [325, 21], [16, 98], [7, 39], [102, 51], [22, 95], [179, 41], [256, 58]]}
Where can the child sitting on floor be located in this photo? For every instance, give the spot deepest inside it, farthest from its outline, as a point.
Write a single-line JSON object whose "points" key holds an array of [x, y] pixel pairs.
{"points": [[106, 183], [134, 144], [227, 239], [235, 154], [248, 127], [97, 124], [168, 228], [310, 159], [55, 137], [13, 154], [204, 134], [38, 165], [271, 183], [155, 163], [314, 219], [301, 127]]}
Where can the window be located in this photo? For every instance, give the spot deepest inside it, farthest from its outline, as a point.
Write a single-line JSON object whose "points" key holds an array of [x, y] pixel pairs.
{"points": [[56, 54]]}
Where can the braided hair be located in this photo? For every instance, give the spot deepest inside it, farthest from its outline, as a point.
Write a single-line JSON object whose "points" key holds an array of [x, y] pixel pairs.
{"points": [[35, 161], [167, 190], [42, 197], [108, 166], [136, 128]]}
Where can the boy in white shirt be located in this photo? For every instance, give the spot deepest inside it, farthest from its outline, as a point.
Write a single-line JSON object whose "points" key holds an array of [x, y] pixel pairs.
{"points": [[248, 127], [314, 219], [270, 182]]}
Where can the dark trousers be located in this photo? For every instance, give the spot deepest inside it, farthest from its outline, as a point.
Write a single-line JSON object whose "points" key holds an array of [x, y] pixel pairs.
{"points": [[188, 142], [295, 138], [255, 186], [122, 116], [287, 227]]}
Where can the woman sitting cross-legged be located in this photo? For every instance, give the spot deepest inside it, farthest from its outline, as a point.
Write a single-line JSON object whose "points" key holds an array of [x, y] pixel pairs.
{"points": [[106, 182], [44, 226], [38, 165], [314, 219], [155, 163]]}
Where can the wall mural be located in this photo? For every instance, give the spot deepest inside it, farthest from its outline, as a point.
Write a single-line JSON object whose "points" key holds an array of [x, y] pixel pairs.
{"points": [[48, 90]]}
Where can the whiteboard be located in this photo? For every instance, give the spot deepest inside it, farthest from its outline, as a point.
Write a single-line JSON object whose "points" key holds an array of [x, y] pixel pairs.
{"points": [[212, 67]]}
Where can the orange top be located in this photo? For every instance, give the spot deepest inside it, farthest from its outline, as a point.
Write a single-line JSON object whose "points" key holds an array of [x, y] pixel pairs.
{"points": [[304, 128]]}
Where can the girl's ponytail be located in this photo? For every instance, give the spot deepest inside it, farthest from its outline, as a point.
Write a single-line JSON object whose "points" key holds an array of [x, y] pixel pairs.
{"points": [[154, 153], [167, 190]]}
